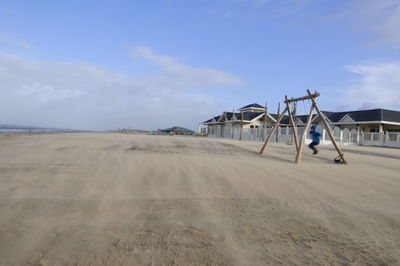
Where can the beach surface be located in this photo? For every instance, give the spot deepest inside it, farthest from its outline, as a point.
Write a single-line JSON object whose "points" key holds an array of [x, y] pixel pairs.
{"points": [[116, 199]]}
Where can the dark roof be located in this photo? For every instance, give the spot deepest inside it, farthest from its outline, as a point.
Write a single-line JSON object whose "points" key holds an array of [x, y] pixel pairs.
{"points": [[357, 116], [229, 115], [365, 115], [274, 115], [334, 117], [251, 115], [238, 116], [254, 105], [284, 120], [303, 118], [177, 129], [210, 120], [246, 116], [392, 116]]}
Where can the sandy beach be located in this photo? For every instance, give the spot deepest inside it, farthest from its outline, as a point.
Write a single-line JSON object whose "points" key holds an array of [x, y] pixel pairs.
{"points": [[115, 199]]}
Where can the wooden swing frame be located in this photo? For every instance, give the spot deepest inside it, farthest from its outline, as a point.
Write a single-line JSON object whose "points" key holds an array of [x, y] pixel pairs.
{"points": [[299, 143]]}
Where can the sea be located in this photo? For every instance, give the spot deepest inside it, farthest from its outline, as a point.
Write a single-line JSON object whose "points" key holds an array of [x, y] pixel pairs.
{"points": [[31, 129]]}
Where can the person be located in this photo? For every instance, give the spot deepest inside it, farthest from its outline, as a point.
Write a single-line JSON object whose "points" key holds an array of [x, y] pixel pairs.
{"points": [[316, 136]]}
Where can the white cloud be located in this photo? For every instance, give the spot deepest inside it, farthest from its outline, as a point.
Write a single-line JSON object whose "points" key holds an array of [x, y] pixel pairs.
{"points": [[378, 21], [183, 75], [376, 85], [6, 39], [378, 18], [88, 96]]}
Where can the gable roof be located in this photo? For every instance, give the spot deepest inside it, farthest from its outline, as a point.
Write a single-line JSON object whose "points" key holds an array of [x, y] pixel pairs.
{"points": [[285, 119], [212, 120], [253, 105], [229, 115], [225, 116], [251, 115], [178, 129], [237, 116], [346, 118], [303, 118], [364, 115], [327, 115], [333, 117], [217, 118]]}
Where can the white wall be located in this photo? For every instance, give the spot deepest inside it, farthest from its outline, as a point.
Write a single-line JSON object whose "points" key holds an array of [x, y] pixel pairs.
{"points": [[344, 136]]}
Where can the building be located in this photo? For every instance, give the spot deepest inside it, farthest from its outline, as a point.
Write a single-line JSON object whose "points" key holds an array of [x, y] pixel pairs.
{"points": [[375, 120], [230, 123], [175, 131], [253, 122]]}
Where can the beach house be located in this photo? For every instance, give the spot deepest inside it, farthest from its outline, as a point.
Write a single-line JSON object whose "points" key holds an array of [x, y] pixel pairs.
{"points": [[175, 130], [230, 124], [253, 121]]}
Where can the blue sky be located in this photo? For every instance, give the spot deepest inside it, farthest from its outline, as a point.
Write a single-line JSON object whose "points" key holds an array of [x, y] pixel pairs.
{"points": [[154, 64]]}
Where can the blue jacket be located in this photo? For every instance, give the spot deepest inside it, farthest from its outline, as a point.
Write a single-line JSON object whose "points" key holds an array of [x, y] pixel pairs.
{"points": [[315, 135]]}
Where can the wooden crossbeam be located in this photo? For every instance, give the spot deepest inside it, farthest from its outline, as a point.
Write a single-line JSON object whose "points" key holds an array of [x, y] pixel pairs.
{"points": [[308, 97]]}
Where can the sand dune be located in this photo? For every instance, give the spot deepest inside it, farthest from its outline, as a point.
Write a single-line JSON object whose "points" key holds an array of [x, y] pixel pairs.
{"points": [[113, 199]]}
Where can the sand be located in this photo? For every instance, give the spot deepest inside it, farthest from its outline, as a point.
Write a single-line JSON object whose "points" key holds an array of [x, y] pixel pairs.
{"points": [[115, 199]]}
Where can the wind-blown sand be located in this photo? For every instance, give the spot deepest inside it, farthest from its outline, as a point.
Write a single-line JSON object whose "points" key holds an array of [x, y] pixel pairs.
{"points": [[93, 198]]}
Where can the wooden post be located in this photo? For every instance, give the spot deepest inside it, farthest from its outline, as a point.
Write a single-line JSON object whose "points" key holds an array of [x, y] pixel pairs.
{"points": [[225, 123], [294, 114], [328, 129], [232, 128], [294, 128], [277, 132], [265, 121], [222, 126], [241, 125], [273, 130], [303, 137], [266, 112], [295, 111]]}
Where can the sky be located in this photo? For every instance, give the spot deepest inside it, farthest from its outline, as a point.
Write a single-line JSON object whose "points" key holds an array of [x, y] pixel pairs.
{"points": [[104, 65]]}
